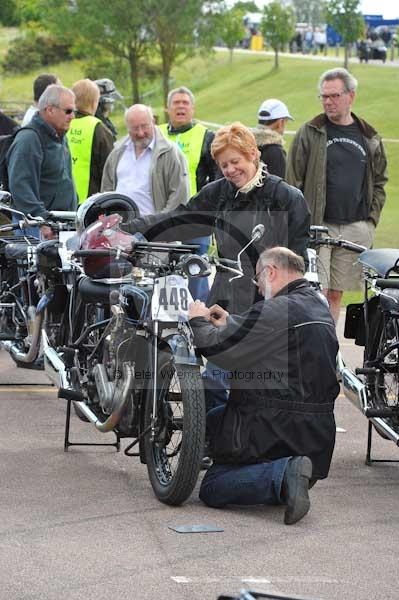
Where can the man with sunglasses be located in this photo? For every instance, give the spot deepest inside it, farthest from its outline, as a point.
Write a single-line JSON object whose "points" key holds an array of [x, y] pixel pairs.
{"points": [[39, 162], [338, 161], [276, 434]]}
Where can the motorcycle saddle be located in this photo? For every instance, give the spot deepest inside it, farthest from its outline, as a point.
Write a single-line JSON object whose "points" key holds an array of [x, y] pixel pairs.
{"points": [[382, 260], [96, 292]]}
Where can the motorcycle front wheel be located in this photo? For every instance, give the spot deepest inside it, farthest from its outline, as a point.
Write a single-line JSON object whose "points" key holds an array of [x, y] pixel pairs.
{"points": [[174, 443]]}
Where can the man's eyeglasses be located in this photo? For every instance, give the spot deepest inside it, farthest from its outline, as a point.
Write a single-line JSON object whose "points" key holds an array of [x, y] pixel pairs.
{"points": [[255, 280], [333, 97], [67, 111]]}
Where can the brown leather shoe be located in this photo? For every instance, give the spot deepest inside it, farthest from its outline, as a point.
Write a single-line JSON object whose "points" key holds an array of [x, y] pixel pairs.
{"points": [[295, 488]]}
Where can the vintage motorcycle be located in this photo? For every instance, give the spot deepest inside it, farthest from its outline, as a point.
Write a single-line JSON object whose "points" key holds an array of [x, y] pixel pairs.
{"points": [[128, 363], [28, 298], [373, 324]]}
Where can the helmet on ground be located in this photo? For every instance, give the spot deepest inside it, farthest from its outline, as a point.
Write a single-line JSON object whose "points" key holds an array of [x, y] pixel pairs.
{"points": [[106, 203], [105, 234]]}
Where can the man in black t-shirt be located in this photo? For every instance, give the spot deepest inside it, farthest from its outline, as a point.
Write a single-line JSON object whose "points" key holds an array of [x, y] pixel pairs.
{"points": [[338, 161]]}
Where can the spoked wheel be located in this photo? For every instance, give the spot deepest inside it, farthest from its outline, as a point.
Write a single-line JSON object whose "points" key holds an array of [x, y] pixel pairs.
{"points": [[384, 385], [174, 448]]}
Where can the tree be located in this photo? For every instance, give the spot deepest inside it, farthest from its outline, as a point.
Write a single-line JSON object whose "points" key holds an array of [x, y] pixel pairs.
{"points": [[311, 12], [232, 29], [179, 27], [277, 26], [345, 18], [96, 26], [246, 7], [8, 13]]}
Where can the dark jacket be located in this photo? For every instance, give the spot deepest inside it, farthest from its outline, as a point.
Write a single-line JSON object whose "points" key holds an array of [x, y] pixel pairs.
{"points": [[270, 144], [39, 170], [281, 354], [307, 166], [231, 215], [7, 124]]}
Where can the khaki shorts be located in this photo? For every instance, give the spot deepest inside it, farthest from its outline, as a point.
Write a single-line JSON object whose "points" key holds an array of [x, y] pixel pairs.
{"points": [[338, 268]]}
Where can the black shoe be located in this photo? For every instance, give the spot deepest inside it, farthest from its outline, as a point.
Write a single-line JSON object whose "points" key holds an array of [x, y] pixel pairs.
{"points": [[206, 461], [295, 489]]}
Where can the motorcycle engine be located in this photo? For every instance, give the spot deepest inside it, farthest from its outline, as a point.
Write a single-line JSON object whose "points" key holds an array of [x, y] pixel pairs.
{"points": [[109, 374]]}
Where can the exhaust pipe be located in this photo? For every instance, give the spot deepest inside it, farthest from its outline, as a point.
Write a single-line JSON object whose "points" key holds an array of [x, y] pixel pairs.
{"points": [[56, 371], [354, 388], [355, 391], [54, 366], [32, 354]]}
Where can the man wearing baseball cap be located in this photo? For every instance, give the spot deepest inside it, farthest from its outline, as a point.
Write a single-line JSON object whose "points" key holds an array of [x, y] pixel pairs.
{"points": [[272, 118]]}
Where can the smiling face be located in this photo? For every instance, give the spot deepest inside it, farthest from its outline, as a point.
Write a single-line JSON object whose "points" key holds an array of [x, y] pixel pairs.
{"points": [[180, 110], [236, 167], [337, 101]]}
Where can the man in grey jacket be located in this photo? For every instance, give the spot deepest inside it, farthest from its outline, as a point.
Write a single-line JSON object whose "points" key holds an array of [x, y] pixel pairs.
{"points": [[146, 167], [39, 162]]}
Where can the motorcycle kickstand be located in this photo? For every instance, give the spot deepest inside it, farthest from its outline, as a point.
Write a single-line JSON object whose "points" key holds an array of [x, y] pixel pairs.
{"points": [[67, 443], [370, 460]]}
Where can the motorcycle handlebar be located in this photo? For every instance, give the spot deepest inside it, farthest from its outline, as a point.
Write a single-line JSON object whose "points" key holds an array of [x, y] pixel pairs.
{"points": [[339, 243], [226, 262], [387, 283]]}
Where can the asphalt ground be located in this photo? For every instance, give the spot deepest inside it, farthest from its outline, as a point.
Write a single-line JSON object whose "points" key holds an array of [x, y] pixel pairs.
{"points": [[86, 524]]}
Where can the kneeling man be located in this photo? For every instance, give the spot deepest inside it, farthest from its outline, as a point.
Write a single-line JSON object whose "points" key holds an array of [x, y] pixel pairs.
{"points": [[276, 435]]}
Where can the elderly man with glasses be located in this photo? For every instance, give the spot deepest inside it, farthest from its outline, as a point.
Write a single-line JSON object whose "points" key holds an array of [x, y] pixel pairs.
{"points": [[275, 436], [147, 167], [39, 162], [338, 161]]}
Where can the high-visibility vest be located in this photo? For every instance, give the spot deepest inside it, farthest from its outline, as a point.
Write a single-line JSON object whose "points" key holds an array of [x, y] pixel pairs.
{"points": [[80, 140], [190, 143]]}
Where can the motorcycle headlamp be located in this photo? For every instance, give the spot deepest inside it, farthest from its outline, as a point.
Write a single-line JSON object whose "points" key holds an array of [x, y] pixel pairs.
{"points": [[195, 266]]}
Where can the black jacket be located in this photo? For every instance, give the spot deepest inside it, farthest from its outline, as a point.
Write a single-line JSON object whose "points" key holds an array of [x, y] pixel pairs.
{"points": [[270, 144], [281, 354], [221, 209], [7, 124]]}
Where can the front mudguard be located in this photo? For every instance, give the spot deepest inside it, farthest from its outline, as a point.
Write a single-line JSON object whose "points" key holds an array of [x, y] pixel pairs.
{"points": [[183, 352]]}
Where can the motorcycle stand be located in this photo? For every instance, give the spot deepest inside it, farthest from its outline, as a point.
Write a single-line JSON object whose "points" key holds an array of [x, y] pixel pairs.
{"points": [[67, 443], [370, 460]]}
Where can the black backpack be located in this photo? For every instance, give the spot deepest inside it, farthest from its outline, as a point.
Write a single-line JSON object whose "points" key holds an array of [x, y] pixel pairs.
{"points": [[5, 144]]}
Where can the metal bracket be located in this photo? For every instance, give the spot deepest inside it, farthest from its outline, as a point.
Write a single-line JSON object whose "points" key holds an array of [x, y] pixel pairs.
{"points": [[370, 460], [67, 443]]}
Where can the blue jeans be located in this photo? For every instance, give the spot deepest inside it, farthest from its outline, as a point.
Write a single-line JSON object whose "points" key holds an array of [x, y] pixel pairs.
{"points": [[29, 231], [216, 386], [199, 287], [241, 484]]}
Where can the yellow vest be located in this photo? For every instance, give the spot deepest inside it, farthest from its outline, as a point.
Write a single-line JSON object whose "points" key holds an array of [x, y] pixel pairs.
{"points": [[80, 140], [190, 143]]}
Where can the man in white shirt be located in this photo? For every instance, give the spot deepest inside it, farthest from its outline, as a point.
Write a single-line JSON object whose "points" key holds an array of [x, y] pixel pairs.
{"points": [[147, 167], [41, 83]]}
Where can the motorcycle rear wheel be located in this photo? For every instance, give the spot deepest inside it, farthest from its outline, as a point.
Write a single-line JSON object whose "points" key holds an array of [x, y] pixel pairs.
{"points": [[385, 384], [174, 452]]}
